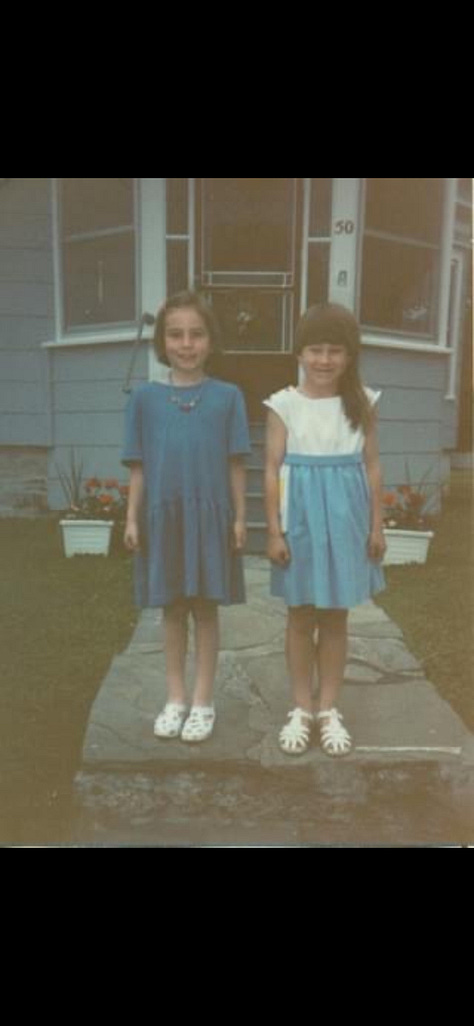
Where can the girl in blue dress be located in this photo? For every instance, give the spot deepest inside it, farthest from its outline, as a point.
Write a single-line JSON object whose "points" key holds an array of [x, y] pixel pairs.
{"points": [[324, 513], [185, 445]]}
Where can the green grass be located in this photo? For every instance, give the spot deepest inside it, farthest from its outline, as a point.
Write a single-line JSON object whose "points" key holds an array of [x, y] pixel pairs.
{"points": [[62, 622], [433, 604]]}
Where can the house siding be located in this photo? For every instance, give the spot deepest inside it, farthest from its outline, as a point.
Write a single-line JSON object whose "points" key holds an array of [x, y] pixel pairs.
{"points": [[53, 400], [89, 405], [26, 321]]}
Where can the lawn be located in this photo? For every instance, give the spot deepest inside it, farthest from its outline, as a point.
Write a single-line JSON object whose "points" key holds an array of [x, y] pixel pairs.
{"points": [[62, 621], [433, 604]]}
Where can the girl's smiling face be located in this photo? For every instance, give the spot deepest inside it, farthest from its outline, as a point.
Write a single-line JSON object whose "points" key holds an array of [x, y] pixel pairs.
{"points": [[187, 341], [323, 365]]}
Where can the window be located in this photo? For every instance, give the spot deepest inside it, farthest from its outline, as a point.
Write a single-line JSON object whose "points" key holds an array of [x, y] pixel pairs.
{"points": [[319, 240], [98, 251], [177, 235], [465, 189], [246, 259], [402, 255], [244, 230]]}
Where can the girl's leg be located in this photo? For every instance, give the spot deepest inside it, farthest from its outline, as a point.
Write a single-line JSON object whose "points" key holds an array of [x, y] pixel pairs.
{"points": [[176, 643], [206, 621], [331, 655], [300, 654]]}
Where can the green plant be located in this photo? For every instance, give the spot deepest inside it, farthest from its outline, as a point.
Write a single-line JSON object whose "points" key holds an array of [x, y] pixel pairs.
{"points": [[407, 507], [71, 480], [94, 499]]}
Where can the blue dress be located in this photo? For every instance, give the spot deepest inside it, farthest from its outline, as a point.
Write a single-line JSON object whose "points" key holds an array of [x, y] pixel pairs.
{"points": [[324, 505], [187, 515]]}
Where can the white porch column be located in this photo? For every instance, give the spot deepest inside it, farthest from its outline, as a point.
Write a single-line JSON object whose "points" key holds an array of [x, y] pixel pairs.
{"points": [[345, 232], [153, 257]]}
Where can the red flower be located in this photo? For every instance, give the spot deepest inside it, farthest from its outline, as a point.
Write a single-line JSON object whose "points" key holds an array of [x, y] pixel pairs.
{"points": [[390, 499], [105, 500], [92, 483], [111, 483]]}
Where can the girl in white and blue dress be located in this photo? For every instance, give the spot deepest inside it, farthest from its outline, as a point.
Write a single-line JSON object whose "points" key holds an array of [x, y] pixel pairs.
{"points": [[324, 512], [186, 443]]}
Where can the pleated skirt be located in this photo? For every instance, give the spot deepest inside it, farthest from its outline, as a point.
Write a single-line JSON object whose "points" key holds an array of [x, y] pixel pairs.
{"points": [[187, 552], [326, 515]]}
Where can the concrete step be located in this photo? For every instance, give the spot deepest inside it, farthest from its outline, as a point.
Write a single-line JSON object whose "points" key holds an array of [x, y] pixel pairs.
{"points": [[256, 538], [257, 432], [255, 507]]}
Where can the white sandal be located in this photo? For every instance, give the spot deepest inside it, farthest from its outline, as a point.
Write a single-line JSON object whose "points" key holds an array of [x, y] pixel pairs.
{"points": [[335, 739], [170, 721], [295, 736], [199, 724]]}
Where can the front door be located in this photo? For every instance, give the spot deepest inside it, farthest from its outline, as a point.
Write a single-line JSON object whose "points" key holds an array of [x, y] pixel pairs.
{"points": [[247, 262]]}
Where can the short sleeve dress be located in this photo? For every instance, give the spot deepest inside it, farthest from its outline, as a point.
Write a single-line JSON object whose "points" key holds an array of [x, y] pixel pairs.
{"points": [[325, 505], [185, 438]]}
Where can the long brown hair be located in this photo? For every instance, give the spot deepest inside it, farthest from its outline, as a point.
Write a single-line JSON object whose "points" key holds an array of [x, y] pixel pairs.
{"points": [[332, 324]]}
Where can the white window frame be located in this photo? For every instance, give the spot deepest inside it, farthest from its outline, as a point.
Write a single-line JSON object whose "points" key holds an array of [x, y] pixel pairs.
{"points": [[150, 223], [309, 240], [458, 262]]}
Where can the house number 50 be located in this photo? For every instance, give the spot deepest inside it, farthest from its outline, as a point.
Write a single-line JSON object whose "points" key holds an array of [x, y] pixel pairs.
{"points": [[344, 228]]}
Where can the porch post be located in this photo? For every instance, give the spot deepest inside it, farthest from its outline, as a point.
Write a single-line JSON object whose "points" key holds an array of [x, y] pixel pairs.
{"points": [[152, 223], [345, 232]]}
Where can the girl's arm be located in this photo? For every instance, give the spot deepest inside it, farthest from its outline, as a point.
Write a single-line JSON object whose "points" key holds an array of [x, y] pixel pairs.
{"points": [[377, 544], [135, 499], [277, 549], [237, 487]]}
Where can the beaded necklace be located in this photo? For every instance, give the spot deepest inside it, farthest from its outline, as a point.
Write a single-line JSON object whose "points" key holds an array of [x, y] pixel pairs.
{"points": [[186, 405]]}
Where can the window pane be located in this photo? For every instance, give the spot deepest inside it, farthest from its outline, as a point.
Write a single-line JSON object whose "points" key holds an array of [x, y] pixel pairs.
{"points": [[177, 267], [400, 287], [465, 188], [318, 272], [248, 224], [95, 204], [408, 207], [321, 208], [252, 320], [100, 281], [177, 206], [464, 225]]}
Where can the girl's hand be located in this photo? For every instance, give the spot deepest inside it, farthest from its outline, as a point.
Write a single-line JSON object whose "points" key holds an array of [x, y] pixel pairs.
{"points": [[277, 550], [132, 537], [377, 546], [240, 535]]}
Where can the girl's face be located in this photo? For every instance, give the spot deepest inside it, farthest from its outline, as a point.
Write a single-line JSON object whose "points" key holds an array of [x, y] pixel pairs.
{"points": [[323, 365], [187, 341]]}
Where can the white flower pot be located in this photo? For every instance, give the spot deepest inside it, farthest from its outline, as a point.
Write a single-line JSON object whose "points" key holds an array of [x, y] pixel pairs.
{"points": [[86, 537], [406, 546]]}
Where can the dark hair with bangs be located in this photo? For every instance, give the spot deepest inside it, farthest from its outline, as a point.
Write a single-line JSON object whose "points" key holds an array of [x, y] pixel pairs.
{"points": [[332, 324], [183, 301]]}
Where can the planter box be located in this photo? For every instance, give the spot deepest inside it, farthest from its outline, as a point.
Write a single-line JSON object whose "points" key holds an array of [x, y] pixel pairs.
{"points": [[86, 537], [406, 546]]}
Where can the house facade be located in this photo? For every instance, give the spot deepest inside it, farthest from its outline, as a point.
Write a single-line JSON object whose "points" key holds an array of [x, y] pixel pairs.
{"points": [[82, 259]]}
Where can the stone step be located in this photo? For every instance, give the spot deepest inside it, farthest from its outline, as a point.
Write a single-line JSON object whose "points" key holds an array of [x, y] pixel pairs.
{"points": [[256, 538], [255, 507]]}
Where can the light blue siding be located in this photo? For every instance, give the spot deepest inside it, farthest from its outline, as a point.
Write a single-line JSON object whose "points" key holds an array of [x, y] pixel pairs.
{"points": [[89, 405], [26, 311], [398, 368], [411, 412]]}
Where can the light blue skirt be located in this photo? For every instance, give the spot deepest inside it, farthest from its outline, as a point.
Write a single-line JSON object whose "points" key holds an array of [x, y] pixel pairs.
{"points": [[328, 526]]}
